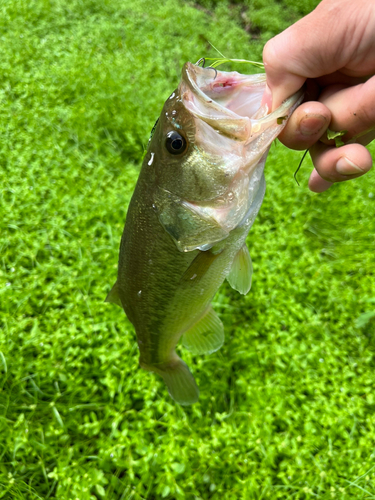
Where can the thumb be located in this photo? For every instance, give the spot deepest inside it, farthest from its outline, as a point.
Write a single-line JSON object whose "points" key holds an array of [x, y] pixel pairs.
{"points": [[308, 49], [281, 81]]}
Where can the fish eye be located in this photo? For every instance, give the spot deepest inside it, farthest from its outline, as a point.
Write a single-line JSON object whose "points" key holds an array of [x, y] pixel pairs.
{"points": [[175, 143]]}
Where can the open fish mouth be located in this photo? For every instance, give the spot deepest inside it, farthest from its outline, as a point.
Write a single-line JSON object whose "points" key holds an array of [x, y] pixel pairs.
{"points": [[229, 101]]}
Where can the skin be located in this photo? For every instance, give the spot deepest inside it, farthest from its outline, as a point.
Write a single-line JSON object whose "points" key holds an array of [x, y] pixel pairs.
{"points": [[332, 51]]}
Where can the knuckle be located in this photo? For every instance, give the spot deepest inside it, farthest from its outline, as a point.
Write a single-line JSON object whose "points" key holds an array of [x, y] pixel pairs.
{"points": [[270, 57], [366, 115]]}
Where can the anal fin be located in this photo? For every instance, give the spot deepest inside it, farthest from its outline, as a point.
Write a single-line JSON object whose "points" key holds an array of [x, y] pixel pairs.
{"points": [[206, 336], [113, 296], [241, 272]]}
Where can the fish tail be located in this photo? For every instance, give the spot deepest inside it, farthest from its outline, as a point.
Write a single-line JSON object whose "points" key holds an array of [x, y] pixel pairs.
{"points": [[178, 379]]}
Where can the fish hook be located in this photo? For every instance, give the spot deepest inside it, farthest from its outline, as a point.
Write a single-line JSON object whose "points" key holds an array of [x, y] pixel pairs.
{"points": [[202, 59], [209, 67]]}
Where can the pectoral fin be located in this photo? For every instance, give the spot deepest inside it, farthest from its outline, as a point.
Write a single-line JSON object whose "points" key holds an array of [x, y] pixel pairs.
{"points": [[186, 224], [113, 296], [241, 272], [206, 336]]}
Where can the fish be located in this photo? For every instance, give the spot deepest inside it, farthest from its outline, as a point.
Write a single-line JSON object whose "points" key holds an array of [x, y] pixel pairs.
{"points": [[199, 190]]}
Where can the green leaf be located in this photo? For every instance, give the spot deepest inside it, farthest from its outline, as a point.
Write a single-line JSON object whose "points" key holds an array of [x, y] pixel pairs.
{"points": [[331, 134], [280, 119], [57, 416], [364, 318], [178, 468], [3, 360], [99, 488], [165, 491]]}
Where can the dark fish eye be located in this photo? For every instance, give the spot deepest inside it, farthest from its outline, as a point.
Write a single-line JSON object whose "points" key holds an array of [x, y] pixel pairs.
{"points": [[175, 143]]}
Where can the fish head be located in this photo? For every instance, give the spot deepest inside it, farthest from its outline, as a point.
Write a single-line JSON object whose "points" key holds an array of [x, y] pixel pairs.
{"points": [[198, 142], [208, 153], [211, 129]]}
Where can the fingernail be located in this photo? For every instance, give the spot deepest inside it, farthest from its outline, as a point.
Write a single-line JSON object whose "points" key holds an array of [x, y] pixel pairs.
{"points": [[347, 167], [312, 124], [267, 98]]}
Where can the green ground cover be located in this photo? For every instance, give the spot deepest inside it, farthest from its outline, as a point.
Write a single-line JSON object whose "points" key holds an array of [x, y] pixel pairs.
{"points": [[287, 405]]}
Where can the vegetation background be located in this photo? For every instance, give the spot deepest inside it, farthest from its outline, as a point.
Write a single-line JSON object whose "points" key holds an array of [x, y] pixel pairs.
{"points": [[287, 405]]}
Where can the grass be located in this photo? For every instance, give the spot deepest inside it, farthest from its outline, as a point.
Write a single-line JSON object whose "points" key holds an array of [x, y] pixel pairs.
{"points": [[287, 405]]}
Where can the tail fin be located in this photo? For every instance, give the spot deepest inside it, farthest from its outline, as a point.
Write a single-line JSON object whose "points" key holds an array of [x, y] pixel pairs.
{"points": [[179, 380]]}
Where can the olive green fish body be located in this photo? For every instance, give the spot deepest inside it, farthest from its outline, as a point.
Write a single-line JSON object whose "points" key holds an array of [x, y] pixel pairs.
{"points": [[200, 188]]}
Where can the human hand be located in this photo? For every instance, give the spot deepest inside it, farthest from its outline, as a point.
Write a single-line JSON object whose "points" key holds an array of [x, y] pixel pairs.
{"points": [[333, 51]]}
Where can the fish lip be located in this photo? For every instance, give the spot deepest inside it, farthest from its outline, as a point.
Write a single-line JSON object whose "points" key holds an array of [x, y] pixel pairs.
{"points": [[205, 108], [189, 77]]}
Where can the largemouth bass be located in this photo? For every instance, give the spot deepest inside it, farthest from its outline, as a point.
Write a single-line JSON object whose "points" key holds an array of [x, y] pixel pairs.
{"points": [[199, 190]]}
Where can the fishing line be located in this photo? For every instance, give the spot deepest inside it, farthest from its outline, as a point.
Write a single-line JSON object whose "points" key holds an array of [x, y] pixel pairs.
{"points": [[299, 166]]}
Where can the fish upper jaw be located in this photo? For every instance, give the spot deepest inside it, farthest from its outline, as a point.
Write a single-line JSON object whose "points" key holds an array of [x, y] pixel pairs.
{"points": [[231, 103], [201, 97]]}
